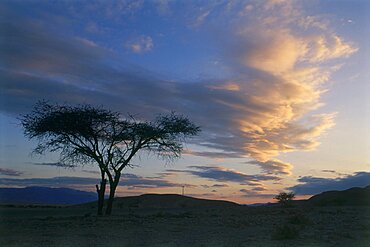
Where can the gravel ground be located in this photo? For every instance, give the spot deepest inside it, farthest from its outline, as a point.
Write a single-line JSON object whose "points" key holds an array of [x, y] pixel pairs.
{"points": [[234, 227]]}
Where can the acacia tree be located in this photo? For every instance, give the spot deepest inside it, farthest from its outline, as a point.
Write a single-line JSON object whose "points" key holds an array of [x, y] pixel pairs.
{"points": [[285, 198], [84, 134]]}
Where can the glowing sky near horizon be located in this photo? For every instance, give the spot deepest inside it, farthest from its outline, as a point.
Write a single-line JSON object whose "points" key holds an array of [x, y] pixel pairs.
{"points": [[280, 89]]}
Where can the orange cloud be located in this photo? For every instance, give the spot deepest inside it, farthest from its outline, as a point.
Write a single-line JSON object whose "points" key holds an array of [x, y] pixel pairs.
{"points": [[230, 86], [273, 51], [285, 82], [326, 48]]}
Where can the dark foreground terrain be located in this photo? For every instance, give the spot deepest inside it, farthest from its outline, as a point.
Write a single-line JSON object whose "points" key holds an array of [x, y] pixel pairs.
{"points": [[172, 220]]}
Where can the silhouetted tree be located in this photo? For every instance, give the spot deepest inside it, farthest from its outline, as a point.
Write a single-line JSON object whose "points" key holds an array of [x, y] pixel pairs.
{"points": [[85, 134], [284, 198]]}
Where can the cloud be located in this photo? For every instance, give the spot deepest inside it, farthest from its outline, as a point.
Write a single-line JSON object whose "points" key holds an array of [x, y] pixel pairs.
{"points": [[333, 47], [87, 42], [92, 27], [57, 164], [163, 7], [263, 109], [142, 182], [214, 186], [273, 51], [273, 166], [255, 193], [283, 82], [329, 171], [114, 11], [220, 185], [213, 154], [315, 185], [30, 47], [129, 180], [221, 174], [141, 44], [91, 172], [10, 172], [200, 18], [230, 86]]}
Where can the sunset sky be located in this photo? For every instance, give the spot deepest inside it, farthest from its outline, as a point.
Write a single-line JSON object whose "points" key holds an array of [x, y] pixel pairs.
{"points": [[280, 89]]}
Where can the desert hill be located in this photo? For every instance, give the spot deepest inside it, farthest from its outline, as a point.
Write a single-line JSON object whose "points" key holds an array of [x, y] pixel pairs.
{"points": [[169, 201], [148, 202], [351, 197]]}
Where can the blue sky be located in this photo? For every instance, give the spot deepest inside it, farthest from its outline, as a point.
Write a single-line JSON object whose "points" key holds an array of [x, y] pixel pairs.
{"points": [[280, 88]]}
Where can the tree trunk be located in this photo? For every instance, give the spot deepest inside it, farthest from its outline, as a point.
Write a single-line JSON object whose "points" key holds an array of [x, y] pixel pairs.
{"points": [[101, 193], [112, 190]]}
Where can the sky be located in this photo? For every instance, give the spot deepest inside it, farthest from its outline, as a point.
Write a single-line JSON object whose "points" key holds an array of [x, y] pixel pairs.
{"points": [[279, 88]]}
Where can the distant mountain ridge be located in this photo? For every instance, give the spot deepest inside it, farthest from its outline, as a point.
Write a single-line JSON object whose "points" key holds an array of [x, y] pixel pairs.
{"points": [[45, 195], [63, 196], [355, 196]]}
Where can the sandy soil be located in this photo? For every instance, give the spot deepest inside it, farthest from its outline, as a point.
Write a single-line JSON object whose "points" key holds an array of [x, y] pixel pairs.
{"points": [[234, 227]]}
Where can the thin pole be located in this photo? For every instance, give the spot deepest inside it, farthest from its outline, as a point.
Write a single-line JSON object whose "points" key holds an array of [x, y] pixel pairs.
{"points": [[183, 189]]}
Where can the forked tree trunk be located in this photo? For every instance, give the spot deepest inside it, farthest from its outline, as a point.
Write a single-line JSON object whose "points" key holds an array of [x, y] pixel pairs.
{"points": [[101, 193], [112, 191]]}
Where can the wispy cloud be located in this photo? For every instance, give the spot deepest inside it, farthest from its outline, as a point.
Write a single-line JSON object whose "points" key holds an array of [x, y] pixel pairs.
{"points": [[142, 182], [91, 172], [329, 171], [315, 185], [255, 193], [221, 174], [10, 172], [213, 154], [273, 166], [57, 164], [141, 44], [200, 18], [219, 185], [129, 180], [163, 7]]}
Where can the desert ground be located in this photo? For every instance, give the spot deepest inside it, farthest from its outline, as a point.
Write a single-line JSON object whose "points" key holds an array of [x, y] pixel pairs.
{"points": [[165, 224]]}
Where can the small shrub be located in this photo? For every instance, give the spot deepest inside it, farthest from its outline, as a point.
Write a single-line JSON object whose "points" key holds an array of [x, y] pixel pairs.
{"points": [[285, 232]]}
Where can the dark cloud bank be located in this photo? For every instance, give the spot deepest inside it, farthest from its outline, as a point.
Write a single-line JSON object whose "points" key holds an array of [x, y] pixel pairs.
{"points": [[10, 172], [220, 174], [315, 185]]}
